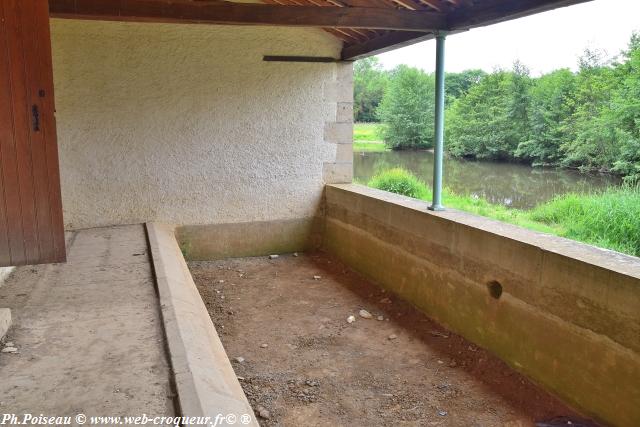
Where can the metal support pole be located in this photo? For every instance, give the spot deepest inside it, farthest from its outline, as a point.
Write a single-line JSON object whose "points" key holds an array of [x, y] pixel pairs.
{"points": [[438, 152]]}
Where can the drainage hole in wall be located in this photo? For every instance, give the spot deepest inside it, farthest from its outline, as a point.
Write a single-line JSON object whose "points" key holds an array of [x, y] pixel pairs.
{"points": [[495, 289]]}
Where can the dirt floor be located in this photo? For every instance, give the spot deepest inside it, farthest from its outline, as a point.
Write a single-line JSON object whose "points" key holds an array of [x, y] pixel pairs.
{"points": [[284, 324]]}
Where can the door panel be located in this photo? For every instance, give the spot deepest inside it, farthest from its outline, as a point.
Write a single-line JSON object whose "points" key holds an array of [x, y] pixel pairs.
{"points": [[30, 201]]}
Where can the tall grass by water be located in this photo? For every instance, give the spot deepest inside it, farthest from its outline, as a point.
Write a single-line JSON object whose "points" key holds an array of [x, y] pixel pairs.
{"points": [[608, 219]]}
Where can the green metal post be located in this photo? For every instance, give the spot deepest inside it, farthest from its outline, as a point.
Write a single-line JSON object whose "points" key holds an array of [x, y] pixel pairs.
{"points": [[438, 152]]}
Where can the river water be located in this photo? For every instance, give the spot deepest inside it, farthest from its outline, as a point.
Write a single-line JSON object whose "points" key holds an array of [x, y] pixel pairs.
{"points": [[509, 184]]}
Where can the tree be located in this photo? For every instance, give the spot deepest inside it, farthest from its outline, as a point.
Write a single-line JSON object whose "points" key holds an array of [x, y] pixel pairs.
{"points": [[589, 119], [595, 145], [407, 109], [492, 119], [550, 118], [458, 84], [626, 111], [369, 84]]}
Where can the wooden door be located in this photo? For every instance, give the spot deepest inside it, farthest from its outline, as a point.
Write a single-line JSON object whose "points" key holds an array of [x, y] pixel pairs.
{"points": [[31, 225]]}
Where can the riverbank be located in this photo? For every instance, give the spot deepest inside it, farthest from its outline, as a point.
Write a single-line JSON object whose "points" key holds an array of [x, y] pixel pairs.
{"points": [[608, 219], [366, 138]]}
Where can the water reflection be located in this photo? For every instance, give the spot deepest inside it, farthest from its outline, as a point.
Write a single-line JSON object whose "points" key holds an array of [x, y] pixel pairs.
{"points": [[512, 185]]}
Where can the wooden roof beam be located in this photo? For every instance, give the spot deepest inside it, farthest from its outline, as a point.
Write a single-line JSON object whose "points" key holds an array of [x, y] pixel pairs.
{"points": [[181, 11]]}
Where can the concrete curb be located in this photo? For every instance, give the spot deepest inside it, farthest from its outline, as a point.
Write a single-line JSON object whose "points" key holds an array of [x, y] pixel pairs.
{"points": [[205, 381]]}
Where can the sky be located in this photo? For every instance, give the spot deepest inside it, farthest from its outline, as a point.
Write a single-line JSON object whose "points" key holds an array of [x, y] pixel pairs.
{"points": [[543, 42]]}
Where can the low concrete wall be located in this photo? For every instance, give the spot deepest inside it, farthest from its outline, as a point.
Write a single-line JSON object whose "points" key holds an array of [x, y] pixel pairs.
{"points": [[204, 378], [219, 241], [565, 314]]}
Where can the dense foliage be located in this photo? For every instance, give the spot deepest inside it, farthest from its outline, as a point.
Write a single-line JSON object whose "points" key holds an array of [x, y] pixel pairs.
{"points": [[589, 119], [406, 110], [369, 84], [609, 219], [491, 120]]}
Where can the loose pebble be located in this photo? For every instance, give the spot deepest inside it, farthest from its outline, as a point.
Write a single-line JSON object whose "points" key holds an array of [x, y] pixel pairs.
{"points": [[274, 256], [240, 359], [9, 350], [385, 301], [295, 254], [393, 336], [264, 345], [263, 413], [220, 281], [380, 318], [317, 277], [439, 334], [442, 413], [365, 314], [351, 319]]}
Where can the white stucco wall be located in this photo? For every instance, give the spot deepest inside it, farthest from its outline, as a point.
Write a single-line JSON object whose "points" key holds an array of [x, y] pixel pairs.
{"points": [[186, 124]]}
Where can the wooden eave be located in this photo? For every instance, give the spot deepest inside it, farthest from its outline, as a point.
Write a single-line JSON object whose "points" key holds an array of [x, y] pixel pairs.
{"points": [[366, 27]]}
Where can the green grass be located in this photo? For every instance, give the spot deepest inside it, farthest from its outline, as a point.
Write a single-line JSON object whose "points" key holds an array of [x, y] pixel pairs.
{"points": [[367, 132], [366, 138], [608, 219]]}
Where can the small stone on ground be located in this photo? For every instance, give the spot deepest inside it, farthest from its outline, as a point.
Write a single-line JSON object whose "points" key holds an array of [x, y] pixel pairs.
{"points": [[365, 314], [263, 413]]}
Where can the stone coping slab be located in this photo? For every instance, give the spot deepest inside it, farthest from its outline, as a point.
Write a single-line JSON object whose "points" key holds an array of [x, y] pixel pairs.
{"points": [[205, 381]]}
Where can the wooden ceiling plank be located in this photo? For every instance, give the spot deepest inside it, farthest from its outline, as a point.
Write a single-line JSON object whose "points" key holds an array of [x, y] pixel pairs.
{"points": [[438, 5], [390, 41]]}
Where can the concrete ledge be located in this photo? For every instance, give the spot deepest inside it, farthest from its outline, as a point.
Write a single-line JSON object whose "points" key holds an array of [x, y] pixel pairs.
{"points": [[564, 313], [219, 241], [206, 383]]}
